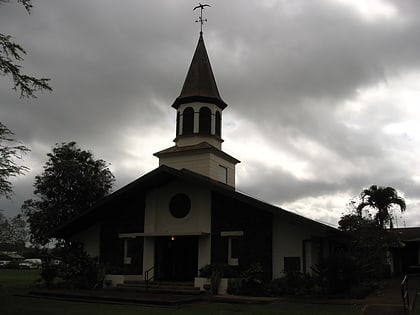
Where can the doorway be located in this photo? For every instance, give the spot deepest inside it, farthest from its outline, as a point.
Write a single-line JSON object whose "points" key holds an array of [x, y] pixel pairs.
{"points": [[176, 258]]}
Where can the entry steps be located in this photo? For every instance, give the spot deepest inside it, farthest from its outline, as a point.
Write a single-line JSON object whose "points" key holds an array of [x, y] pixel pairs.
{"points": [[163, 287]]}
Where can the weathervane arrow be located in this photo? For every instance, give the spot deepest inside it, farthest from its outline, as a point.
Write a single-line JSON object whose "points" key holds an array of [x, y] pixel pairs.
{"points": [[200, 18]]}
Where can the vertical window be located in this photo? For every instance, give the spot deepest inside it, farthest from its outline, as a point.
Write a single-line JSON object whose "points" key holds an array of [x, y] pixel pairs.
{"points": [[218, 124], [128, 244], [233, 254], [177, 124], [205, 121], [222, 174], [188, 121], [233, 239]]}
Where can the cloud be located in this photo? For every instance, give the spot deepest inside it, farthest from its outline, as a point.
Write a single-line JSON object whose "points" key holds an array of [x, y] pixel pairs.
{"points": [[322, 94]]}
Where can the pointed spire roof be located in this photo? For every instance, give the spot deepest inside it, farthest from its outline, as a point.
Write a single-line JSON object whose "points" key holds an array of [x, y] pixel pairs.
{"points": [[200, 84]]}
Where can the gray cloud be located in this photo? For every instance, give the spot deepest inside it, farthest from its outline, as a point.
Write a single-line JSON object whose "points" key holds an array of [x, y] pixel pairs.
{"points": [[287, 69]]}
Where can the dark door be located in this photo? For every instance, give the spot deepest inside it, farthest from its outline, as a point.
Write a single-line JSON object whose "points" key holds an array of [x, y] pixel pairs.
{"points": [[176, 258]]}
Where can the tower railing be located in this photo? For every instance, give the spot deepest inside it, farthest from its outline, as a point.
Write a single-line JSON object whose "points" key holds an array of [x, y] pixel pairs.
{"points": [[405, 294], [148, 277]]}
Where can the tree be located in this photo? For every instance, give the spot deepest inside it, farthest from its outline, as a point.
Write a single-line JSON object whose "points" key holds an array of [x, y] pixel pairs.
{"points": [[13, 233], [382, 199], [4, 227], [367, 239], [72, 181], [10, 54], [10, 152], [368, 245]]}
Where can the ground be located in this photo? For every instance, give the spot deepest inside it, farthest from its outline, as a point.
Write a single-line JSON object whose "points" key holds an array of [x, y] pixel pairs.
{"points": [[14, 284]]}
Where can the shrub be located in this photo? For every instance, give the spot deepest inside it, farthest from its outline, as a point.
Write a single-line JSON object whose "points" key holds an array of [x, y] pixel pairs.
{"points": [[295, 283], [225, 270], [250, 283], [48, 273], [234, 286], [214, 273], [342, 273], [206, 271], [79, 270]]}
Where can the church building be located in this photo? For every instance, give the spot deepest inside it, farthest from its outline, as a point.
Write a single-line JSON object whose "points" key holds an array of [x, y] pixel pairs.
{"points": [[187, 213]]}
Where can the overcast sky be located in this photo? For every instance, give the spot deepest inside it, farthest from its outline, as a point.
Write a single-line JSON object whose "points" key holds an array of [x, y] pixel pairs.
{"points": [[323, 95]]}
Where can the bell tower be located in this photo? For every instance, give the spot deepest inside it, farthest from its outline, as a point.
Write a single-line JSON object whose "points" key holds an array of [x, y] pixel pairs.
{"points": [[198, 135], [199, 106]]}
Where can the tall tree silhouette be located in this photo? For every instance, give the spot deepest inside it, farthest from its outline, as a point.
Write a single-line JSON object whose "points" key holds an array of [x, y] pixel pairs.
{"points": [[11, 54], [382, 199], [72, 182]]}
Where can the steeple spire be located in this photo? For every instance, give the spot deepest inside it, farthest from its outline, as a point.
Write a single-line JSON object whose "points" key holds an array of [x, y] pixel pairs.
{"points": [[200, 84]]}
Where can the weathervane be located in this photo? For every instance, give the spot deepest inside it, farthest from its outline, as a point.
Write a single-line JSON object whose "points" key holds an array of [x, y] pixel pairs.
{"points": [[200, 18]]}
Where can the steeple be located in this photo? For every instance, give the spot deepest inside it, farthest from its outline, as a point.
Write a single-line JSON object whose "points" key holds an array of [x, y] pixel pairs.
{"points": [[198, 141], [199, 105], [200, 84]]}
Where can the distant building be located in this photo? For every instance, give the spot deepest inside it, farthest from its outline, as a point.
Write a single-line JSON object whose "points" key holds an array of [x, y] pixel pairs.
{"points": [[6, 255], [406, 256], [186, 213]]}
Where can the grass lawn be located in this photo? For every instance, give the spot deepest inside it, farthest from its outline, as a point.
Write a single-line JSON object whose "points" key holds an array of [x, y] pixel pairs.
{"points": [[18, 279], [15, 282]]}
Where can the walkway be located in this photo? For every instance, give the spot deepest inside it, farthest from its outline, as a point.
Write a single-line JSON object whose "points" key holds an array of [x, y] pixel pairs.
{"points": [[388, 301], [385, 301]]}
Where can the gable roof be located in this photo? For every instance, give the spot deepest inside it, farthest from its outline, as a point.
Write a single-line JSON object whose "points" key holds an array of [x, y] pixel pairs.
{"points": [[200, 84], [160, 176]]}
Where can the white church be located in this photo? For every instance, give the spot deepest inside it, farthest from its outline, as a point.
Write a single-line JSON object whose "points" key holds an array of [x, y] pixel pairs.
{"points": [[187, 213]]}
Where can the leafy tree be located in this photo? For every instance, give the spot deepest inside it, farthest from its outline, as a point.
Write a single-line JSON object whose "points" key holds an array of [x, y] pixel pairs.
{"points": [[13, 233], [72, 181], [382, 199], [10, 54], [368, 243], [10, 153]]}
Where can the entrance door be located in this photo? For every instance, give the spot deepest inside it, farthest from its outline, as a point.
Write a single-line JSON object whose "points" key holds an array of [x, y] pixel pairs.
{"points": [[176, 258]]}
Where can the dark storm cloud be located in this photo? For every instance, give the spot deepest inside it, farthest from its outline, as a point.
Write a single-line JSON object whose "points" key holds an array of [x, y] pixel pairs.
{"points": [[287, 69]]}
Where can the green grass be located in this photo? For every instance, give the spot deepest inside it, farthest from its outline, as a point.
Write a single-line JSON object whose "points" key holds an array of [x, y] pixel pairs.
{"points": [[13, 283], [18, 279]]}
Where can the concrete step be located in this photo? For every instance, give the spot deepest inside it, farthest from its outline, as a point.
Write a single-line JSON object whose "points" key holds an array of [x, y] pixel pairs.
{"points": [[160, 287], [111, 295], [169, 283]]}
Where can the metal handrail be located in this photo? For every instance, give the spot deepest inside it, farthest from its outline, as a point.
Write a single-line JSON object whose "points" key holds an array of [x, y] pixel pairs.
{"points": [[405, 294], [147, 279]]}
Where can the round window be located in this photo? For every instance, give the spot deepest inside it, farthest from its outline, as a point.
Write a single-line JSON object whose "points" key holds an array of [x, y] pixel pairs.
{"points": [[180, 206]]}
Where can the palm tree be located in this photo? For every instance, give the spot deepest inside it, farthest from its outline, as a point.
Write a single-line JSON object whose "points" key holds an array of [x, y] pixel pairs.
{"points": [[382, 199]]}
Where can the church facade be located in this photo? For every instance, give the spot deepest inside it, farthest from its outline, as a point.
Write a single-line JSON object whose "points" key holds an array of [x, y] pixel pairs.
{"points": [[186, 213]]}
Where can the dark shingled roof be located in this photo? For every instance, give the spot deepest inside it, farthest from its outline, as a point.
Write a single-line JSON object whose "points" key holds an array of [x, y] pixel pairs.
{"points": [[409, 234], [202, 147], [200, 84], [154, 179]]}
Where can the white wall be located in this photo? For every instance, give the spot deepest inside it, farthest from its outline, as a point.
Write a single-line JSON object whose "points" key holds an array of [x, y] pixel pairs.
{"points": [[204, 251], [215, 161], [158, 219], [206, 164], [288, 237]]}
